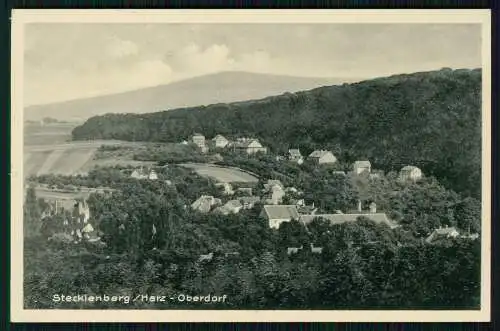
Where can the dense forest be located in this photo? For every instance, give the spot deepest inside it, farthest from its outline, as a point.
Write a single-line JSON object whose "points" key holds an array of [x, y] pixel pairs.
{"points": [[362, 265], [429, 119], [152, 242]]}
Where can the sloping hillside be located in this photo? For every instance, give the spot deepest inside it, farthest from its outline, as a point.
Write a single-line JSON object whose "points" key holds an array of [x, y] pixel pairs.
{"points": [[204, 90], [428, 119]]}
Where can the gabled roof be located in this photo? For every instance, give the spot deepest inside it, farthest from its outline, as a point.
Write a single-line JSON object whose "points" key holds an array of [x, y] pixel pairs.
{"points": [[246, 144], [343, 218], [362, 164], [281, 211], [198, 135], [409, 168], [319, 153], [219, 136]]}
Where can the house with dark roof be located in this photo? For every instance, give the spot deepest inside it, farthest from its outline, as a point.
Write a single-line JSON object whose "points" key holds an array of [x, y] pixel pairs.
{"points": [[322, 157], [278, 214], [380, 218]]}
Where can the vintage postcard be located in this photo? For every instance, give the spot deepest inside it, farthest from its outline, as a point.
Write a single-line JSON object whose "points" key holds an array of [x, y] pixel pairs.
{"points": [[257, 165]]}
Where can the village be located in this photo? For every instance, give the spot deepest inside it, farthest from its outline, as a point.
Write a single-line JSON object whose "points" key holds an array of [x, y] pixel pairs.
{"points": [[278, 204]]}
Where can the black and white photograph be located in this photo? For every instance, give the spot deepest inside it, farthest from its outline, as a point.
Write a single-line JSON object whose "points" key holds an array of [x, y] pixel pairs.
{"points": [[224, 166]]}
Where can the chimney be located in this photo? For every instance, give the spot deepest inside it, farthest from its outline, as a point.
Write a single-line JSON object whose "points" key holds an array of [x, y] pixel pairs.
{"points": [[373, 207], [359, 205]]}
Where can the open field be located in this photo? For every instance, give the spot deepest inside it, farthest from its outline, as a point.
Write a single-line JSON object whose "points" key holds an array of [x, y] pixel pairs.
{"points": [[35, 134], [49, 150], [221, 174]]}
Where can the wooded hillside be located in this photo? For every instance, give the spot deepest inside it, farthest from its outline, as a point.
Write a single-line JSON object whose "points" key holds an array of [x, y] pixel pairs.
{"points": [[429, 119]]}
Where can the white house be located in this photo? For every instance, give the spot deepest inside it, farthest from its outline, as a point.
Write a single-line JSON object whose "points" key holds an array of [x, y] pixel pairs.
{"points": [[294, 155], [138, 174], [278, 214], [410, 173], [322, 157], [249, 146], [446, 232], [198, 139], [153, 175], [220, 141], [361, 167]]}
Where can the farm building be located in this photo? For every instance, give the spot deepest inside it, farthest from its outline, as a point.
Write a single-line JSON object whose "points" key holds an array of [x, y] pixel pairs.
{"points": [[410, 173], [322, 157], [360, 167], [278, 214], [220, 141]]}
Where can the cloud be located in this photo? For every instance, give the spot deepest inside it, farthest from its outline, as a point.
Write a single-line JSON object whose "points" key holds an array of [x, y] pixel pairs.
{"points": [[193, 60], [121, 48]]}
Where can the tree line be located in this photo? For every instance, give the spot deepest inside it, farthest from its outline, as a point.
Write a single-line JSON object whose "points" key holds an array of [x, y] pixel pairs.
{"points": [[431, 120]]}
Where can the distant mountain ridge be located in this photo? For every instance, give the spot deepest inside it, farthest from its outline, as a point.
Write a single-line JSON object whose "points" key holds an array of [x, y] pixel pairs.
{"points": [[220, 87], [428, 119]]}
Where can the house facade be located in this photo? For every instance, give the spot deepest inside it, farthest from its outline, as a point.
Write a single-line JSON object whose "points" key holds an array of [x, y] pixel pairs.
{"points": [[360, 167], [153, 175], [279, 214], [441, 233], [410, 173], [322, 157], [249, 146], [82, 212], [294, 155], [249, 202], [198, 139], [220, 141]]}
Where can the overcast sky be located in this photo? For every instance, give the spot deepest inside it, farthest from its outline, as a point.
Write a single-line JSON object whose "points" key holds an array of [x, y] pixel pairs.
{"points": [[70, 61]]}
